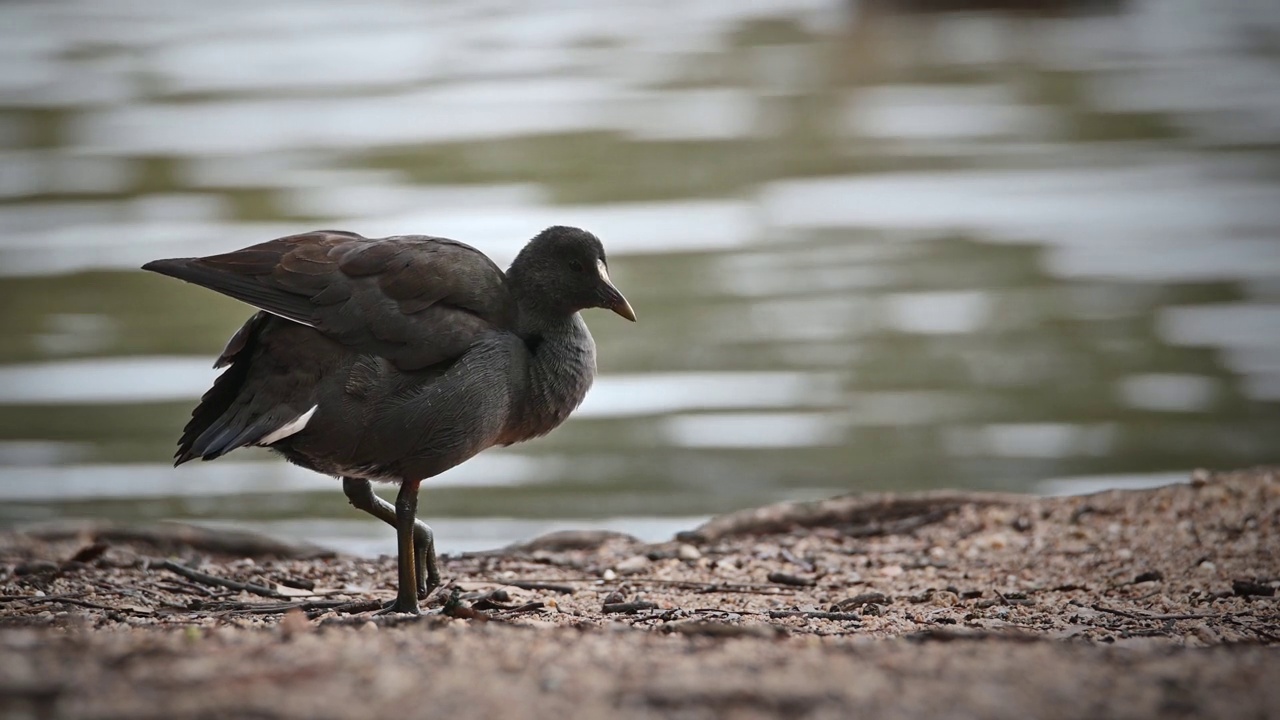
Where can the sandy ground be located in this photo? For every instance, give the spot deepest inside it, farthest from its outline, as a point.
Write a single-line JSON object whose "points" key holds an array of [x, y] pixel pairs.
{"points": [[1146, 604]]}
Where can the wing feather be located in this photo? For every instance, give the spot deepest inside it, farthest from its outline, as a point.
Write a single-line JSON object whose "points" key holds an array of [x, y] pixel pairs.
{"points": [[413, 299]]}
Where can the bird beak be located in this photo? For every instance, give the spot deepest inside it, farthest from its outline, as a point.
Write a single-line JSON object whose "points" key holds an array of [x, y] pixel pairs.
{"points": [[614, 299]]}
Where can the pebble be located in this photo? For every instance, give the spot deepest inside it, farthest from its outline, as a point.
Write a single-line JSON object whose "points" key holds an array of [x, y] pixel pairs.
{"points": [[688, 552], [993, 541], [369, 627], [35, 567], [294, 623], [891, 570], [945, 598], [632, 565]]}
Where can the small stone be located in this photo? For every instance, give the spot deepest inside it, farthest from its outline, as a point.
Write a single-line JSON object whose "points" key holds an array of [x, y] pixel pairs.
{"points": [[1207, 635], [994, 541], [891, 570], [945, 598], [1208, 566], [688, 552], [632, 565], [1246, 588], [34, 567], [860, 600], [1124, 554], [609, 574], [294, 623], [781, 578], [369, 627]]}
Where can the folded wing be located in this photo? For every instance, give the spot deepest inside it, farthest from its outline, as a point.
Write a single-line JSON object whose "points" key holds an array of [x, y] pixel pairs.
{"points": [[412, 299]]}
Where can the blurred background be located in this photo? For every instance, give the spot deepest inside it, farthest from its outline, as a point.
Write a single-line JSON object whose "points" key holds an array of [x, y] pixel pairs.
{"points": [[876, 245]]}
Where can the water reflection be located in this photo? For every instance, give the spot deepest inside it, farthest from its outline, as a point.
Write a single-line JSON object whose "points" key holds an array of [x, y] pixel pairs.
{"points": [[870, 249]]}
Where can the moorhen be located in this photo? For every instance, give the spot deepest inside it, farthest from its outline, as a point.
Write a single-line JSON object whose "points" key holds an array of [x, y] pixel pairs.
{"points": [[396, 359]]}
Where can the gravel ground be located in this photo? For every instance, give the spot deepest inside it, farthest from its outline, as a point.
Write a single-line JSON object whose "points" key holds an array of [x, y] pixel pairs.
{"points": [[1155, 603]]}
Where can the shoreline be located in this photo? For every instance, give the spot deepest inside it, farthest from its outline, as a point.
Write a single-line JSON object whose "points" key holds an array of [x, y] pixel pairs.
{"points": [[1122, 603]]}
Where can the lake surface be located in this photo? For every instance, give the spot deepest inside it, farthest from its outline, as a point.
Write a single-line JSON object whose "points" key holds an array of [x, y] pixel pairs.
{"points": [[867, 253]]}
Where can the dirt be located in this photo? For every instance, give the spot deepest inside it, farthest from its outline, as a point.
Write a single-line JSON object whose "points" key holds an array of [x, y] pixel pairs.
{"points": [[1154, 603]]}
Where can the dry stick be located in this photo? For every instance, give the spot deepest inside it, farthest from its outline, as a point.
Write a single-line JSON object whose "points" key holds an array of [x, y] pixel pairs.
{"points": [[140, 593], [534, 585], [207, 579], [526, 608], [702, 587], [306, 606], [816, 615], [348, 608], [1259, 631], [629, 607], [184, 587], [1152, 616], [84, 603]]}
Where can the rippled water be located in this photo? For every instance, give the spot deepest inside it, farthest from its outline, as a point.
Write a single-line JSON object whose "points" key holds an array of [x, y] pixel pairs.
{"points": [[867, 253]]}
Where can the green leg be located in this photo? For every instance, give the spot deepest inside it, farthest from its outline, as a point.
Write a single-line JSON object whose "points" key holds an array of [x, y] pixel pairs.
{"points": [[407, 590], [360, 493]]}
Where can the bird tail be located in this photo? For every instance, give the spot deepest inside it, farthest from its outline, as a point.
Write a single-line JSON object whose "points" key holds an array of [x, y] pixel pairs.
{"points": [[217, 425]]}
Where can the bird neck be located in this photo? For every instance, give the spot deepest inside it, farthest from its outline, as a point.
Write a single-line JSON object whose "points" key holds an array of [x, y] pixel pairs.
{"points": [[561, 367]]}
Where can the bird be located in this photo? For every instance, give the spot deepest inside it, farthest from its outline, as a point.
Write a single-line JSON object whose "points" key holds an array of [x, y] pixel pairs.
{"points": [[394, 359]]}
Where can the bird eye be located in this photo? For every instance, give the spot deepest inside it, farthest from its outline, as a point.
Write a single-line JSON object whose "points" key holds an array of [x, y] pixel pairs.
{"points": [[575, 265]]}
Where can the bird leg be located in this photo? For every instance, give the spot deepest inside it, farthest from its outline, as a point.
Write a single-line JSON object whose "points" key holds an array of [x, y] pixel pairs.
{"points": [[406, 589], [360, 493]]}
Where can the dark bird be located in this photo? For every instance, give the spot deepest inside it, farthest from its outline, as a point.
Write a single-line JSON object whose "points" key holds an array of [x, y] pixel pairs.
{"points": [[396, 359]]}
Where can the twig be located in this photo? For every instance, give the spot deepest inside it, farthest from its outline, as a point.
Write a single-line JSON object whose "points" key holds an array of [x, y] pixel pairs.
{"points": [[900, 526], [140, 593], [1253, 628], [701, 587], [782, 578], [182, 586], [348, 608], [533, 585], [629, 607], [208, 579], [526, 608], [816, 615], [1152, 616], [86, 604], [798, 562], [307, 606]]}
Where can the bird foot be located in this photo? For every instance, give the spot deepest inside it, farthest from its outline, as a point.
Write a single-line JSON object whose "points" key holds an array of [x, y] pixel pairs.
{"points": [[396, 607]]}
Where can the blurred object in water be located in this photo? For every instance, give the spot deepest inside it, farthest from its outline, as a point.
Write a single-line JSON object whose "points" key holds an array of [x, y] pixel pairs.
{"points": [[1014, 7], [884, 33]]}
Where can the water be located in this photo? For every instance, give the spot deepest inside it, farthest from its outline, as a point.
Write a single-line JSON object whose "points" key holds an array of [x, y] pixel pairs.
{"points": [[1036, 254]]}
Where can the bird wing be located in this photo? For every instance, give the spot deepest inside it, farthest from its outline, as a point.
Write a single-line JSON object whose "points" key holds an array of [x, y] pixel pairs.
{"points": [[413, 299]]}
